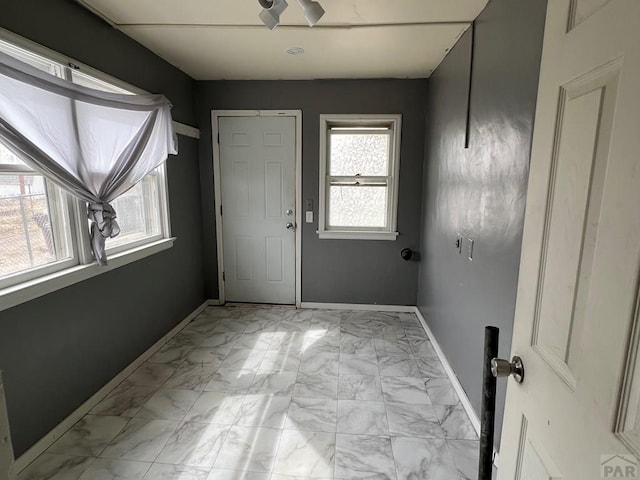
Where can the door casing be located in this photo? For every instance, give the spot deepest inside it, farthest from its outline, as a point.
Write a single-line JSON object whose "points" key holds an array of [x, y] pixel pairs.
{"points": [[215, 115]]}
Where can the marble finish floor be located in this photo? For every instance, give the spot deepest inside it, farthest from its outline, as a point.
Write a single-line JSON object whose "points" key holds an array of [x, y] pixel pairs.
{"points": [[260, 393]]}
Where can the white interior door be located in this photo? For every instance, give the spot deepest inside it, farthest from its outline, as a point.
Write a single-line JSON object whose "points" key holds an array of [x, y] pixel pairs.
{"points": [[257, 164], [576, 414]]}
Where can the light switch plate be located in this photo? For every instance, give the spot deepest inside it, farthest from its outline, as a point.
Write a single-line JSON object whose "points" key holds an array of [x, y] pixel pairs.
{"points": [[309, 217]]}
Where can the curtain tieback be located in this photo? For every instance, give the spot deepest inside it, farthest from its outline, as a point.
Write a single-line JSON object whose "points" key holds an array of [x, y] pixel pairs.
{"points": [[103, 226]]}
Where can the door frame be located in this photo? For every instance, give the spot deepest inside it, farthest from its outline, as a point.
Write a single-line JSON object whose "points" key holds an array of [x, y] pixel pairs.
{"points": [[217, 186]]}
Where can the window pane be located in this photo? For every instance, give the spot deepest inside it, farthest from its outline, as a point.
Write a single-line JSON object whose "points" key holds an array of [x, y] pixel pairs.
{"points": [[366, 154], [8, 158], [357, 206], [27, 238], [138, 212]]}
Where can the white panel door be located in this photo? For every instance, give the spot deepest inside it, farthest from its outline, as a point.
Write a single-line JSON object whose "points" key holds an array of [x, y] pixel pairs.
{"points": [[257, 163], [576, 415]]}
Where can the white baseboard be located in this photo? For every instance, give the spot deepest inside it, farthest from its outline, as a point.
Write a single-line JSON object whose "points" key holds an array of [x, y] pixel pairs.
{"points": [[45, 442], [464, 399], [359, 306]]}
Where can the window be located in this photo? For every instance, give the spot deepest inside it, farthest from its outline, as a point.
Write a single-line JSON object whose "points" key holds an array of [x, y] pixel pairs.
{"points": [[359, 164], [42, 229]]}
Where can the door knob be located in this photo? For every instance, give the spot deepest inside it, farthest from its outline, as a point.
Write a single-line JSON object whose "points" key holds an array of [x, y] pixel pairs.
{"points": [[290, 226], [289, 212], [504, 368]]}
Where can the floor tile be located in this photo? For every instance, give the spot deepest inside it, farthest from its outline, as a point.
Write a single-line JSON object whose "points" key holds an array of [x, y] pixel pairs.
{"points": [[423, 458], [124, 401], [254, 341], [90, 436], [243, 359], [214, 407], [171, 354], [280, 361], [465, 457], [162, 471], [226, 474], [263, 411], [423, 348], [430, 367], [455, 422], [363, 418], [249, 448], [218, 338], [274, 383], [315, 342], [226, 380], [56, 467], [194, 444], [306, 454], [142, 439], [230, 326], [168, 404], [405, 390], [360, 387], [411, 420], [211, 356], [315, 385], [359, 346], [151, 374], [394, 366], [277, 476], [441, 391], [396, 347], [357, 365], [326, 363], [287, 341], [104, 469], [191, 377], [312, 414], [364, 457]]}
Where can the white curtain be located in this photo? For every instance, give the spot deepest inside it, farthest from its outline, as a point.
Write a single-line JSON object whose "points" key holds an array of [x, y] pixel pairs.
{"points": [[95, 145]]}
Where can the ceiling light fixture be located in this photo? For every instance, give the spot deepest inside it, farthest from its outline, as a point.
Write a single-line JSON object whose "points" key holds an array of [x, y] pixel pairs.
{"points": [[295, 51], [313, 11], [272, 9]]}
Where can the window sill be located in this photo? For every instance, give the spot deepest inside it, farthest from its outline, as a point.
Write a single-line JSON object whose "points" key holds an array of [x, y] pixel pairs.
{"points": [[337, 235], [17, 294]]}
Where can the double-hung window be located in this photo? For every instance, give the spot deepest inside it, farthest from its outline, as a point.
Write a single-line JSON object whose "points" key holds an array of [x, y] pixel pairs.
{"points": [[43, 230], [359, 165]]}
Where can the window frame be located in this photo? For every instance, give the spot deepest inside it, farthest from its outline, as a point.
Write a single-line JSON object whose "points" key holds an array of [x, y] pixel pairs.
{"points": [[34, 282], [360, 123]]}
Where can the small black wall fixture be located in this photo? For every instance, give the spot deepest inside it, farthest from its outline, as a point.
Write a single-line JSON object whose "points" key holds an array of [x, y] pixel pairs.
{"points": [[406, 254], [467, 132]]}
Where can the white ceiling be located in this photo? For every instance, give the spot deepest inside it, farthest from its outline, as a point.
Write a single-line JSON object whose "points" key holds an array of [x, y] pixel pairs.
{"points": [[224, 39]]}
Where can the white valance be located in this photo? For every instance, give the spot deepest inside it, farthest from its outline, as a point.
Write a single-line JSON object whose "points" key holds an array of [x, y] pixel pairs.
{"points": [[95, 145]]}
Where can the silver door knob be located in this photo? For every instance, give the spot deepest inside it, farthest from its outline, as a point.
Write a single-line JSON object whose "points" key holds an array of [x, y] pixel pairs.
{"points": [[289, 212], [504, 368], [290, 226]]}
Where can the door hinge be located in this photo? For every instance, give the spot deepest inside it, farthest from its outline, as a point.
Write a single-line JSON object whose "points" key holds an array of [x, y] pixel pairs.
{"points": [[224, 279], [218, 139], [220, 210]]}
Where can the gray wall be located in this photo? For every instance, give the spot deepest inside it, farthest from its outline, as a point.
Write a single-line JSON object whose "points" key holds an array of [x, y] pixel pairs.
{"points": [[342, 271], [479, 192], [58, 350]]}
